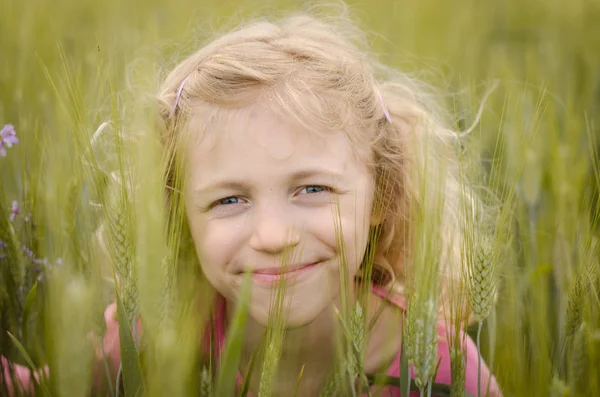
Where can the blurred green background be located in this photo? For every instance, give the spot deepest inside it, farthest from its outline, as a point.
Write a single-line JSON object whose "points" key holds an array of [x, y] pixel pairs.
{"points": [[67, 66]]}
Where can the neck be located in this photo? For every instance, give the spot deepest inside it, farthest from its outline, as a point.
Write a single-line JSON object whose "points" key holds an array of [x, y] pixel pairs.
{"points": [[311, 349]]}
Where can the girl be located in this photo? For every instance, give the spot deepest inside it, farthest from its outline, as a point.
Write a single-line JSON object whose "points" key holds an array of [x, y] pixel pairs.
{"points": [[293, 148]]}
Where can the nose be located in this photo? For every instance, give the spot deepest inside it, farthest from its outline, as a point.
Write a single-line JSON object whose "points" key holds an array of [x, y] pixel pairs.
{"points": [[274, 231]]}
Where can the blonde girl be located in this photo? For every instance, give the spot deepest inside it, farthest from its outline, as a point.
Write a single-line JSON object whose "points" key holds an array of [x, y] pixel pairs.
{"points": [[295, 143]]}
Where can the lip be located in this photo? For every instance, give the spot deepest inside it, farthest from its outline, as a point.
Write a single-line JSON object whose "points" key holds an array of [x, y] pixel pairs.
{"points": [[274, 275]]}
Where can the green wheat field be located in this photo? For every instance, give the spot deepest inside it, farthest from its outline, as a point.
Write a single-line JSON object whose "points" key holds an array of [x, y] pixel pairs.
{"points": [[77, 80]]}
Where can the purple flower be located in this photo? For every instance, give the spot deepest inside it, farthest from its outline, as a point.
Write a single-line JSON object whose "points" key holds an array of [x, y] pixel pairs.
{"points": [[8, 137], [14, 211], [28, 252]]}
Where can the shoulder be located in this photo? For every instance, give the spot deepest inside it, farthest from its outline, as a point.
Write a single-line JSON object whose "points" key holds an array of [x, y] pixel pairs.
{"points": [[444, 376]]}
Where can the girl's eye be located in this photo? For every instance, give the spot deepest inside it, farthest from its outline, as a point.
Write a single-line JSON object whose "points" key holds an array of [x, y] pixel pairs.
{"points": [[310, 190], [227, 201], [314, 189]]}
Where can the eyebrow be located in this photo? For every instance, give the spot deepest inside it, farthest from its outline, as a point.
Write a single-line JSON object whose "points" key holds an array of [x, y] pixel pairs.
{"points": [[234, 184]]}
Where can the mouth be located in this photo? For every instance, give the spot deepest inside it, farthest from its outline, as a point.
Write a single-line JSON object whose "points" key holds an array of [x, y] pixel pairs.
{"points": [[275, 275]]}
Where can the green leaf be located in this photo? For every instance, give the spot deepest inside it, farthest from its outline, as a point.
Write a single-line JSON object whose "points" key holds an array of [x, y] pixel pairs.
{"points": [[404, 377], [347, 334], [31, 295], [437, 368], [246, 383], [22, 350], [230, 358], [133, 378], [29, 361], [298, 382]]}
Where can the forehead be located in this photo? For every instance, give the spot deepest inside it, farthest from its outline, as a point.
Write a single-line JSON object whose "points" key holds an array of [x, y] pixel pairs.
{"points": [[256, 138]]}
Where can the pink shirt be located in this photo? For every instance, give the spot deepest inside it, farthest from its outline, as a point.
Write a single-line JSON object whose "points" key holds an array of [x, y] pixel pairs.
{"points": [[111, 344], [443, 374]]}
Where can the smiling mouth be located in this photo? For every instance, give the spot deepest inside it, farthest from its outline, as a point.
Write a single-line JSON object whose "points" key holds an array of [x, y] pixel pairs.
{"points": [[275, 275]]}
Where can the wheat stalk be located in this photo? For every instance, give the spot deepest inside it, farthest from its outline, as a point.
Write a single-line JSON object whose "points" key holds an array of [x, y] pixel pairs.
{"points": [[421, 339], [577, 295], [578, 358], [574, 308], [332, 385], [457, 369], [482, 289], [482, 280], [122, 246], [205, 383], [357, 333]]}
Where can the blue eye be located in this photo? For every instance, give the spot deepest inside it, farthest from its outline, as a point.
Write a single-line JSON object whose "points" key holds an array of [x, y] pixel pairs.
{"points": [[310, 190], [313, 189], [228, 201]]}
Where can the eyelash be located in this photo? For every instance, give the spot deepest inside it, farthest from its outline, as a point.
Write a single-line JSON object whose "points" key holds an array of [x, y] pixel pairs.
{"points": [[326, 189]]}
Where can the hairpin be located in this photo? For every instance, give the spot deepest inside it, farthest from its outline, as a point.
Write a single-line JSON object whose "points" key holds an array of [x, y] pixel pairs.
{"points": [[179, 91], [385, 110]]}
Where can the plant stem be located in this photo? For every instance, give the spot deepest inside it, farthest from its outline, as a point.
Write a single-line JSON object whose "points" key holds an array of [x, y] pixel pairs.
{"points": [[352, 388], [135, 335], [479, 359], [119, 379], [110, 385], [408, 383]]}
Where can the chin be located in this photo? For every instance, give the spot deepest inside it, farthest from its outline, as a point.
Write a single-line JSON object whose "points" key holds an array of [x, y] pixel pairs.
{"points": [[294, 321], [299, 310]]}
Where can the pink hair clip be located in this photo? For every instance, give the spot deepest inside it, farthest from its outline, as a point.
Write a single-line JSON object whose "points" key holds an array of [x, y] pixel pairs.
{"points": [[385, 109], [179, 91]]}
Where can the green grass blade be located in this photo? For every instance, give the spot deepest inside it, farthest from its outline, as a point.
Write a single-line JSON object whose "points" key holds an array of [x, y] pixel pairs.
{"points": [[227, 377], [246, 383], [299, 380], [21, 348], [404, 372], [133, 378], [29, 301]]}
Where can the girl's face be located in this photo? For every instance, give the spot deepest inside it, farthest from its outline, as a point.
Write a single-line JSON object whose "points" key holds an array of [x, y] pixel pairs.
{"points": [[266, 198]]}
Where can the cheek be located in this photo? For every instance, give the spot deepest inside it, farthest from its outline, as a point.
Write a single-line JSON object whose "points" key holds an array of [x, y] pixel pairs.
{"points": [[213, 242]]}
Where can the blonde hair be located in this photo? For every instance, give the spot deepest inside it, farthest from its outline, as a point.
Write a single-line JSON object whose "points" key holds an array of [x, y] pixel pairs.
{"points": [[315, 72]]}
